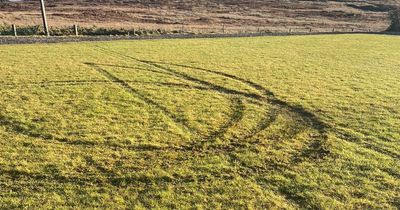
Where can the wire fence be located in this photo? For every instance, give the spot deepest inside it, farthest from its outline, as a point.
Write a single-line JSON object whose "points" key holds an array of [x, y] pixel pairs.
{"points": [[76, 30]]}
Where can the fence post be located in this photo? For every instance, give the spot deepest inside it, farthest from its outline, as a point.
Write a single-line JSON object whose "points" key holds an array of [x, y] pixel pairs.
{"points": [[352, 30], [76, 30], [45, 26], [14, 28], [223, 28], [183, 27], [310, 30], [333, 30], [290, 30]]}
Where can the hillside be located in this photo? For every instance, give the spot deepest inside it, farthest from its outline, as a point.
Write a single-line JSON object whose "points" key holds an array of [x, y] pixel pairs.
{"points": [[201, 14]]}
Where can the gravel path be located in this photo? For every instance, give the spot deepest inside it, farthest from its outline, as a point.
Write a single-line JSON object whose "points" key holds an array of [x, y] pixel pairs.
{"points": [[59, 39]]}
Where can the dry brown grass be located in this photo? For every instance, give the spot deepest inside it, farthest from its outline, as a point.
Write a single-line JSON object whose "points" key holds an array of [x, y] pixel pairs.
{"points": [[205, 15]]}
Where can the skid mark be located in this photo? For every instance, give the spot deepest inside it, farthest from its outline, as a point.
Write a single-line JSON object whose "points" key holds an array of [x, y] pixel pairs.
{"points": [[266, 122], [125, 85], [267, 96], [237, 112], [343, 134]]}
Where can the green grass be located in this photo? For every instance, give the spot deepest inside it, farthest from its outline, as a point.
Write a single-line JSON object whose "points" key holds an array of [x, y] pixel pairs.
{"points": [[272, 122]]}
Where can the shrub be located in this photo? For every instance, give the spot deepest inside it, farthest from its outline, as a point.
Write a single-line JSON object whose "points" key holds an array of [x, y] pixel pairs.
{"points": [[6, 30], [394, 17]]}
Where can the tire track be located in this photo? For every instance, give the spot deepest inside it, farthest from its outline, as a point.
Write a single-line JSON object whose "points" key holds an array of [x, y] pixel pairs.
{"points": [[234, 118], [266, 97], [125, 85], [307, 117]]}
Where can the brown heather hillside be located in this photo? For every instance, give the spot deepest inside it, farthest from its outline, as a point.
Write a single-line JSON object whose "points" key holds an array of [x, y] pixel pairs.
{"points": [[198, 14]]}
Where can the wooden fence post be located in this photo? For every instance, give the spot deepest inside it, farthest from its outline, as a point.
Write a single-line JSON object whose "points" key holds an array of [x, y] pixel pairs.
{"points": [[14, 28], [310, 30], [223, 28], [76, 30], [45, 26], [333, 30]]}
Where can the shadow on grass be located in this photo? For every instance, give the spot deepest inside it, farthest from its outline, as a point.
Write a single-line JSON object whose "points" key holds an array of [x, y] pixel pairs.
{"points": [[102, 180]]}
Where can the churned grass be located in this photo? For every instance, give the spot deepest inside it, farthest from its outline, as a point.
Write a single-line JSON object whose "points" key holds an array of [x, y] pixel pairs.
{"points": [[269, 122]]}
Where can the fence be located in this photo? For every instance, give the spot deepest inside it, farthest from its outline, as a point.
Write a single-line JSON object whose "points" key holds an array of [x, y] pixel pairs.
{"points": [[75, 30]]}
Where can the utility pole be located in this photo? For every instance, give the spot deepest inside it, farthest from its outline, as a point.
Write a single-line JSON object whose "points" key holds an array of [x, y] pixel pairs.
{"points": [[46, 27]]}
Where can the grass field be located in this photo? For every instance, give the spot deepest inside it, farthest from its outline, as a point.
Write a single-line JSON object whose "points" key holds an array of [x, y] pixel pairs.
{"points": [[271, 122]]}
